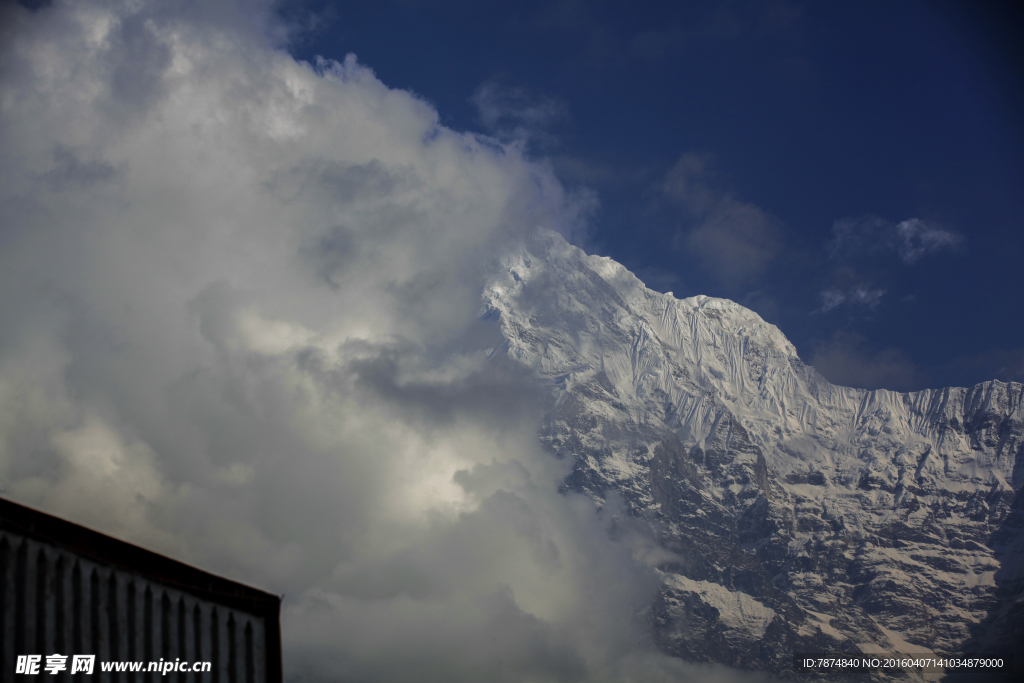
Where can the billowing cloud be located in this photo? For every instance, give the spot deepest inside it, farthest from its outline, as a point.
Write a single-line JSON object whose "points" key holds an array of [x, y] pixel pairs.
{"points": [[734, 239], [239, 297], [911, 239]]}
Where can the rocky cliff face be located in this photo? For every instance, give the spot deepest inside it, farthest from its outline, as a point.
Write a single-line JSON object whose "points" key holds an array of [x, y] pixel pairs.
{"points": [[798, 515]]}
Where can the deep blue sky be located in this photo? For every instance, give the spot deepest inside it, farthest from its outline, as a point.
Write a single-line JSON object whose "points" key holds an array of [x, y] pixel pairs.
{"points": [[724, 140]]}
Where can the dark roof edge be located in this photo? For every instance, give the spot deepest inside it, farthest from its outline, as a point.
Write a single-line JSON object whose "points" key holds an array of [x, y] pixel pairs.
{"points": [[104, 549]]}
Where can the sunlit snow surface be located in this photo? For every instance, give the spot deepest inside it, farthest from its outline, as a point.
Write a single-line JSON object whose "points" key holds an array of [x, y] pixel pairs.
{"points": [[843, 514]]}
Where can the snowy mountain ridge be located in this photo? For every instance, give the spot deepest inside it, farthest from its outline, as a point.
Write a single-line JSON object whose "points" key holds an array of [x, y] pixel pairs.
{"points": [[807, 516]]}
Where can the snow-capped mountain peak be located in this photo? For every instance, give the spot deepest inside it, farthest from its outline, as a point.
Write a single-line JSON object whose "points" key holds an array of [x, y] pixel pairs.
{"points": [[840, 518]]}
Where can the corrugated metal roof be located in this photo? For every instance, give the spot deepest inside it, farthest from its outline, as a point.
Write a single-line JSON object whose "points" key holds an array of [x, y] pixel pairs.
{"points": [[69, 590]]}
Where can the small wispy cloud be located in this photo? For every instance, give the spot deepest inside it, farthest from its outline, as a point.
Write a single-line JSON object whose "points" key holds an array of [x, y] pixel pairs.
{"points": [[915, 238], [860, 295], [735, 239], [513, 113], [831, 298], [911, 239], [847, 360]]}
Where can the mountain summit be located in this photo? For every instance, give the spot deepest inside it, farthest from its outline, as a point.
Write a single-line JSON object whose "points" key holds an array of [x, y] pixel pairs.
{"points": [[798, 516]]}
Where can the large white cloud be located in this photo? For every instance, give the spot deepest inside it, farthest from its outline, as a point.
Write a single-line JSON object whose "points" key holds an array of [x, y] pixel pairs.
{"points": [[238, 297]]}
